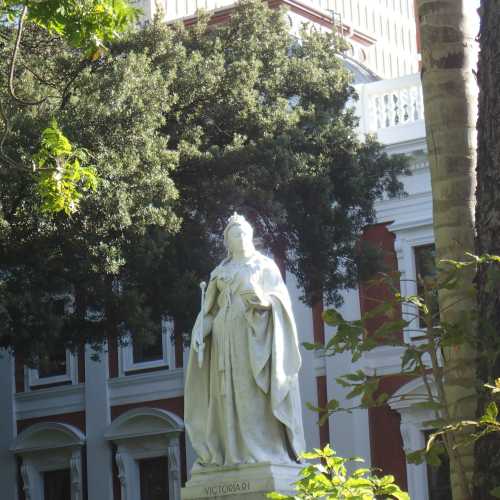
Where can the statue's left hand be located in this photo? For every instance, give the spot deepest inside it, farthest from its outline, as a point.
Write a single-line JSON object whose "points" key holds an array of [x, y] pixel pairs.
{"points": [[253, 301]]}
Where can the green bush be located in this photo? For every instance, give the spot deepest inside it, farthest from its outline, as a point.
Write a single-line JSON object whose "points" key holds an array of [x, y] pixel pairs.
{"points": [[330, 478]]}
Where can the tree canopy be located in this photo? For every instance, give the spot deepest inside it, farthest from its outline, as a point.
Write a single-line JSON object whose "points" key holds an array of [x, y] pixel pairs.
{"points": [[183, 126], [87, 25]]}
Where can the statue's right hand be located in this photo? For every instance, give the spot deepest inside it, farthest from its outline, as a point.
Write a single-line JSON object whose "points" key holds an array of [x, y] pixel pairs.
{"points": [[197, 334], [197, 340]]}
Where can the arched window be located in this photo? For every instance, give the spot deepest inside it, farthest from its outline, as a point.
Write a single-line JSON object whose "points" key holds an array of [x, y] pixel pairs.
{"points": [[147, 453], [51, 458]]}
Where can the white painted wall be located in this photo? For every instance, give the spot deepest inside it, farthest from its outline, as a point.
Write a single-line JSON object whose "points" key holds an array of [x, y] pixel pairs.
{"points": [[349, 432], [392, 23], [307, 379]]}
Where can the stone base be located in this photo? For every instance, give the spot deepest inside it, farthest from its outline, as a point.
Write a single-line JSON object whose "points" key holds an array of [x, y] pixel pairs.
{"points": [[246, 482]]}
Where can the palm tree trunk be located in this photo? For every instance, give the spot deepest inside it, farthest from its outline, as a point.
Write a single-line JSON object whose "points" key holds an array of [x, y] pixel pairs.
{"points": [[449, 54], [487, 474]]}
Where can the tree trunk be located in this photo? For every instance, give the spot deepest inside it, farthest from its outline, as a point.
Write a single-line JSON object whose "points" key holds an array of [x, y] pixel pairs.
{"points": [[449, 53], [487, 474]]}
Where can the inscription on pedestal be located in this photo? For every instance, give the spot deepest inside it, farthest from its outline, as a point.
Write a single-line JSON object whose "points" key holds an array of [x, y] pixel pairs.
{"points": [[227, 489]]}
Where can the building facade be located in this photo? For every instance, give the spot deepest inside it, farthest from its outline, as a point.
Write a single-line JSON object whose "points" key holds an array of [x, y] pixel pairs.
{"points": [[111, 427], [381, 34]]}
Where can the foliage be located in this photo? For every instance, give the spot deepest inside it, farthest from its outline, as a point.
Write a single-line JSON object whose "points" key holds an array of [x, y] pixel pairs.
{"points": [[117, 235], [88, 27], [423, 357], [86, 24], [264, 128], [183, 125], [61, 173], [330, 479]]}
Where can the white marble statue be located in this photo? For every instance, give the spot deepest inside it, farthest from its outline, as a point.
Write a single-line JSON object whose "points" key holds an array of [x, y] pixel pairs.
{"points": [[242, 401]]}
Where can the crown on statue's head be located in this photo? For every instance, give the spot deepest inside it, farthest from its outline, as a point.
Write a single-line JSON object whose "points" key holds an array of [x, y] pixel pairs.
{"points": [[236, 218]]}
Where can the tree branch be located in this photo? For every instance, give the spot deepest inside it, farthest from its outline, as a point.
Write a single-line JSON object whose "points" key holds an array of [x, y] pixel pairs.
{"points": [[15, 52], [6, 157]]}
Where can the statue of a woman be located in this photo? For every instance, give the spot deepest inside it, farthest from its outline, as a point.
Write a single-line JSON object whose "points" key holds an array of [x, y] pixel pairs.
{"points": [[242, 401]]}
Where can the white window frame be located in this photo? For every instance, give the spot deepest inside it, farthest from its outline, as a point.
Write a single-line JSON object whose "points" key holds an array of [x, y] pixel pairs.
{"points": [[32, 375], [406, 242], [126, 352], [71, 375]]}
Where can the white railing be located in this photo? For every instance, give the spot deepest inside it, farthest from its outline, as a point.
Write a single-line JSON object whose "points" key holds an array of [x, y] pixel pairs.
{"points": [[390, 103]]}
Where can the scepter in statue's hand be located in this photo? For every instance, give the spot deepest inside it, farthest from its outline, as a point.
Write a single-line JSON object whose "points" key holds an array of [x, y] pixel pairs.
{"points": [[201, 343]]}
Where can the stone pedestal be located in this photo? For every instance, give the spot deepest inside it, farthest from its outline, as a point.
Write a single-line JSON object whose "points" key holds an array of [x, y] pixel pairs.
{"points": [[245, 482]]}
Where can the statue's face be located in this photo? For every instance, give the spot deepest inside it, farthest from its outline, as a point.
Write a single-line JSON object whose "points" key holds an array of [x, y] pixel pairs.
{"points": [[239, 240]]}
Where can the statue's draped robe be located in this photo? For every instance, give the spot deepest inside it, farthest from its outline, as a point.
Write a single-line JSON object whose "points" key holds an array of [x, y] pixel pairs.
{"points": [[243, 404]]}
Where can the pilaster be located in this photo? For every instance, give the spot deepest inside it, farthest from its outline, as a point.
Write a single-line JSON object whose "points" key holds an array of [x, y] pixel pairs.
{"points": [[97, 417], [8, 471]]}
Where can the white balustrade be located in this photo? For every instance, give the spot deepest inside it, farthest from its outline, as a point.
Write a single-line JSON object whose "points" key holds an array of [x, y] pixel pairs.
{"points": [[386, 104]]}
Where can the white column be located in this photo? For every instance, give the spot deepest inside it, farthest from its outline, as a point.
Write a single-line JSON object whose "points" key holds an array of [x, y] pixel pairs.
{"points": [[307, 375], [349, 432], [8, 425], [97, 416], [413, 440]]}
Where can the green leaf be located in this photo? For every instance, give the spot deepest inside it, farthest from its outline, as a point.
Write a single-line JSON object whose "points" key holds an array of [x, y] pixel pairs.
{"points": [[333, 405], [427, 405], [312, 347], [332, 317], [278, 496], [490, 414], [416, 457], [380, 310], [390, 327], [358, 376], [62, 179], [495, 492]]}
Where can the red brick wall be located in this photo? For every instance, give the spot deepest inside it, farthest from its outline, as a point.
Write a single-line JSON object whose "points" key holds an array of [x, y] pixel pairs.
{"points": [[76, 419], [113, 357], [324, 430], [19, 374], [385, 436], [371, 294], [179, 347], [417, 22], [81, 365], [318, 323]]}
